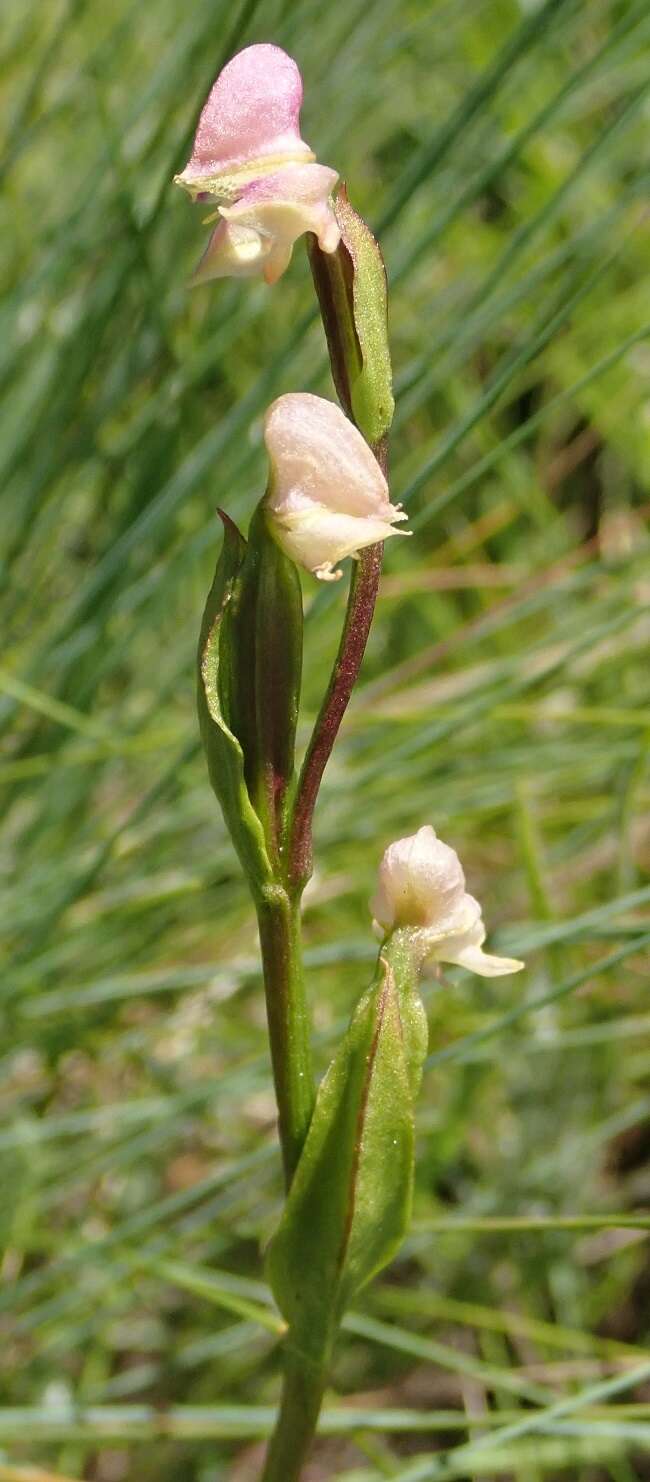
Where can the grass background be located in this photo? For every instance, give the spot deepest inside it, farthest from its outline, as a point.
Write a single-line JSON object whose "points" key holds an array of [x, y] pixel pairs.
{"points": [[501, 151]]}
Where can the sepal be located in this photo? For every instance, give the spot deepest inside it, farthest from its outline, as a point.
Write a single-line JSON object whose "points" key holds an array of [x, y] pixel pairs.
{"points": [[350, 1201]]}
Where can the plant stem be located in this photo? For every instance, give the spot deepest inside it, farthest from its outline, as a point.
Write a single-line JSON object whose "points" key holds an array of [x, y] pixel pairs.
{"points": [[302, 1396], [278, 916], [364, 585]]}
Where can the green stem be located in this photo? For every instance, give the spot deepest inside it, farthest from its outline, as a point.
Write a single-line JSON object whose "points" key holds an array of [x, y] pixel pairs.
{"points": [[302, 1396], [278, 916]]}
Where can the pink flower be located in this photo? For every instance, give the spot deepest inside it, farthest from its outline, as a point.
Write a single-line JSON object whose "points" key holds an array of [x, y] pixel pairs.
{"points": [[249, 157]]}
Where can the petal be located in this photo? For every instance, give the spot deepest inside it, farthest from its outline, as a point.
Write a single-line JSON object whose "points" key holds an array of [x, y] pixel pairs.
{"points": [[303, 185], [318, 538], [283, 205], [232, 252], [277, 260], [289, 202], [252, 114], [486, 966], [466, 950], [317, 456], [421, 883]]}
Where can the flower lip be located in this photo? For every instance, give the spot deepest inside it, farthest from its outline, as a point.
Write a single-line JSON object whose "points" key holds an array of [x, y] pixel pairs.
{"points": [[422, 887], [327, 496], [465, 949], [250, 122], [233, 251]]}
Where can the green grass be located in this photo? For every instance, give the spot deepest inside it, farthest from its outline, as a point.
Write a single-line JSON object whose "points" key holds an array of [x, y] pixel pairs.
{"points": [[502, 152]]}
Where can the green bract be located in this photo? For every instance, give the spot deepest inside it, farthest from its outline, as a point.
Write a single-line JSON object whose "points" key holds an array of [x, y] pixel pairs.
{"points": [[352, 293], [372, 386], [350, 1200]]}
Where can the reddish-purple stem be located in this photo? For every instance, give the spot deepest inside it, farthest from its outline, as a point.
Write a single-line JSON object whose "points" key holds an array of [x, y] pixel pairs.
{"points": [[364, 585]]}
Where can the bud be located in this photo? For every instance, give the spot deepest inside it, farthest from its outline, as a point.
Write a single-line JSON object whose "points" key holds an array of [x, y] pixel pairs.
{"points": [[422, 886], [327, 496], [248, 156]]}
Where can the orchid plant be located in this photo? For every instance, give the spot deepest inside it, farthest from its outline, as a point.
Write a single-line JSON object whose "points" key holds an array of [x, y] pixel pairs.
{"points": [[348, 1148]]}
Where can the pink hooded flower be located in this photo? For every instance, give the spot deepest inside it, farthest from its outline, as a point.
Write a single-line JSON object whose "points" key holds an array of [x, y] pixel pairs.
{"points": [[249, 157]]}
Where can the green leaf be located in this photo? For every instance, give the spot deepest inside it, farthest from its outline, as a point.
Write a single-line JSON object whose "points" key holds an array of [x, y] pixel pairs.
{"points": [[350, 1200], [217, 662], [352, 293]]}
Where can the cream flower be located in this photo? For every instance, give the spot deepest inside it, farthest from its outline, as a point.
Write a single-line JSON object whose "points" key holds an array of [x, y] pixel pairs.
{"points": [[327, 496], [422, 885], [248, 156]]}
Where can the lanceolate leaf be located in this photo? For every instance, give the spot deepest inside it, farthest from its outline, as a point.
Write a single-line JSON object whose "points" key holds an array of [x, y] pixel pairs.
{"points": [[350, 1199], [225, 758]]}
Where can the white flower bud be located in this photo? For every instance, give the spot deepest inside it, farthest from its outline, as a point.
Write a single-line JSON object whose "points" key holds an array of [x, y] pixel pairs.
{"points": [[422, 885], [327, 496]]}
